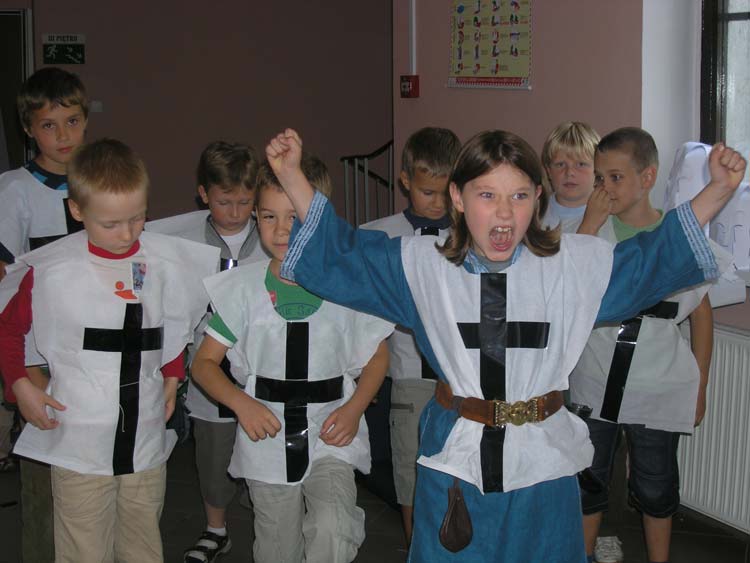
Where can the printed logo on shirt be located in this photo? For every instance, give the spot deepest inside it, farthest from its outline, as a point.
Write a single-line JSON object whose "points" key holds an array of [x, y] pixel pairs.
{"points": [[120, 291]]}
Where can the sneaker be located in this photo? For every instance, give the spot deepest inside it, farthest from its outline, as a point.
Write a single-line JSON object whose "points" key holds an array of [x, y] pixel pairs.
{"points": [[208, 548], [608, 549]]}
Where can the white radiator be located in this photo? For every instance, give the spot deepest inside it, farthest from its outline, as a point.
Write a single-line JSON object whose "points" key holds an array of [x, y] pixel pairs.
{"points": [[715, 461]]}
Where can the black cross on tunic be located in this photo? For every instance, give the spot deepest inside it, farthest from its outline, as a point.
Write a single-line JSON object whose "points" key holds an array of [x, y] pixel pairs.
{"points": [[492, 335], [296, 392], [71, 226], [619, 369], [130, 341]]}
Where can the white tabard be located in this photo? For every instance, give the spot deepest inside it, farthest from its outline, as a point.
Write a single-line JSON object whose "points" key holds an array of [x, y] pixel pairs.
{"points": [[341, 343], [29, 209], [405, 360], [194, 226], [80, 303], [564, 290], [661, 388]]}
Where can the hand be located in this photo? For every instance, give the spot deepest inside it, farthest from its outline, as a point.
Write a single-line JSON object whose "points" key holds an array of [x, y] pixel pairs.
{"points": [[341, 426], [2, 269], [256, 419], [597, 211], [170, 396], [284, 153], [32, 403], [700, 407], [727, 166]]}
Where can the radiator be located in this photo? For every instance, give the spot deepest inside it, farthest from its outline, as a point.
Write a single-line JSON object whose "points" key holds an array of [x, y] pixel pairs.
{"points": [[715, 461]]}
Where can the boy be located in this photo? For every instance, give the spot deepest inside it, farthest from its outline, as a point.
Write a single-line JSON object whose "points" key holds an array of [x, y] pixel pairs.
{"points": [[426, 162], [112, 385], [225, 175], [568, 160], [300, 411], [53, 109], [640, 375]]}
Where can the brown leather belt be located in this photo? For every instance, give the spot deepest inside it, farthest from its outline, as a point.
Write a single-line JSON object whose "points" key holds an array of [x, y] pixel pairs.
{"points": [[499, 413]]}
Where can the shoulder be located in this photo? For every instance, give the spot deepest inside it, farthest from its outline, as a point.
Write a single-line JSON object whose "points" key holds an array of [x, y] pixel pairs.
{"points": [[246, 276], [190, 225], [394, 225], [584, 247], [16, 182], [174, 250], [66, 250]]}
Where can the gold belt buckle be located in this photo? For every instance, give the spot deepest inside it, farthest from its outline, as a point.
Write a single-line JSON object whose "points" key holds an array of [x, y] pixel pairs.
{"points": [[517, 413]]}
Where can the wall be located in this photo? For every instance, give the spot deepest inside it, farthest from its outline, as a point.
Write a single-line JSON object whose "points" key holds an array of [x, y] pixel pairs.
{"points": [[586, 65], [173, 76], [671, 80]]}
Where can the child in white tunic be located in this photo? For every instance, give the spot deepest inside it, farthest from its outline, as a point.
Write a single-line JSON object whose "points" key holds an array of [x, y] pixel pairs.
{"points": [[302, 431], [498, 454], [113, 309], [426, 161], [640, 376]]}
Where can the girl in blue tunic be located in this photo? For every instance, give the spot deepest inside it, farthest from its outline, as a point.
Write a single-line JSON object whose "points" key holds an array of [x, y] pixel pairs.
{"points": [[501, 311]]}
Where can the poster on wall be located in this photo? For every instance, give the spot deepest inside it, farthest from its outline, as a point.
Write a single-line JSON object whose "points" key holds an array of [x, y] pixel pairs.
{"points": [[490, 44]]}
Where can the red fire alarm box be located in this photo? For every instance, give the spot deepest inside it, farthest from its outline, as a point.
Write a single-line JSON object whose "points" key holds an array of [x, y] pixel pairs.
{"points": [[410, 86]]}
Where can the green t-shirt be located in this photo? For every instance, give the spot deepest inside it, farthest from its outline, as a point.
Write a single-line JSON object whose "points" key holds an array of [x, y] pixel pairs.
{"points": [[292, 302], [624, 231]]}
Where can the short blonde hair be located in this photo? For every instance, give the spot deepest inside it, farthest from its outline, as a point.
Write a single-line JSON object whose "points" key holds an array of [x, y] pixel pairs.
{"points": [[105, 166], [573, 137]]}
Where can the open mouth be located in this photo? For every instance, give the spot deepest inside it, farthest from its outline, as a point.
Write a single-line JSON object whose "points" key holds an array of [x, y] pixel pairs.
{"points": [[501, 238]]}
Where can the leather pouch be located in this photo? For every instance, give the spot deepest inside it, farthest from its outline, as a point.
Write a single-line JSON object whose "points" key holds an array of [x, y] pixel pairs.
{"points": [[456, 530]]}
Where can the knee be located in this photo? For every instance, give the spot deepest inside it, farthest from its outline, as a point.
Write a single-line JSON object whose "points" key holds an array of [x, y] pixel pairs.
{"points": [[659, 499]]}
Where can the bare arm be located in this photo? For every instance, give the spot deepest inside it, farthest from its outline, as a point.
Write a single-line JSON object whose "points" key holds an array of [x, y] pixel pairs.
{"points": [[727, 168], [254, 417], [597, 211], [341, 426], [702, 341], [284, 152]]}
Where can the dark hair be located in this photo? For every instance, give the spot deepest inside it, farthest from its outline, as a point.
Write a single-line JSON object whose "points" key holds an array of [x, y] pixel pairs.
{"points": [[432, 150], [227, 165], [479, 156], [54, 86], [104, 166], [635, 141]]}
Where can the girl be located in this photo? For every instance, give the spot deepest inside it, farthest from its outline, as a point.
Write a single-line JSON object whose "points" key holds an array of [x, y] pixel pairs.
{"points": [[501, 311]]}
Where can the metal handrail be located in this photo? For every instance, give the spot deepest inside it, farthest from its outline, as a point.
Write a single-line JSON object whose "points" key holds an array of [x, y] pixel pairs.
{"points": [[357, 179]]}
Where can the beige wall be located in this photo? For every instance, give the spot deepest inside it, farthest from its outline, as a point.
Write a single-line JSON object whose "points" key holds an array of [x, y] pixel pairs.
{"points": [[174, 75], [586, 65]]}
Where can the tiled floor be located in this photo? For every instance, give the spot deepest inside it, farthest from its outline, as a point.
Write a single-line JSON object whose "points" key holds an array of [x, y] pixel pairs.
{"points": [[695, 538]]}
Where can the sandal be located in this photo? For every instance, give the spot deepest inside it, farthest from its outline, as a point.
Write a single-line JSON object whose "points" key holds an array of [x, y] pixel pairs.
{"points": [[208, 548]]}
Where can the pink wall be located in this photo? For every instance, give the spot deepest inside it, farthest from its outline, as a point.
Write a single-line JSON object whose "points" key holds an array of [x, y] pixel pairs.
{"points": [[174, 75], [586, 65]]}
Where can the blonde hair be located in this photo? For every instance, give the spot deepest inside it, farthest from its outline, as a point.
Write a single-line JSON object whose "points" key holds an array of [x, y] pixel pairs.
{"points": [[574, 137], [480, 155], [104, 166]]}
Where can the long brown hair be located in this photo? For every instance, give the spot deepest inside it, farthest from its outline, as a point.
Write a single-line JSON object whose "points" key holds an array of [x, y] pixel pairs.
{"points": [[480, 155]]}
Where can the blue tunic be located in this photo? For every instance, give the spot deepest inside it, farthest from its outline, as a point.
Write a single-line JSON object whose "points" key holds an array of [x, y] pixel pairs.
{"points": [[364, 270]]}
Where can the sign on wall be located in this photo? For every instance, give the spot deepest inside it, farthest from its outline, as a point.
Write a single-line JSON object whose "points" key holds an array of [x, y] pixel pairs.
{"points": [[490, 44], [63, 49]]}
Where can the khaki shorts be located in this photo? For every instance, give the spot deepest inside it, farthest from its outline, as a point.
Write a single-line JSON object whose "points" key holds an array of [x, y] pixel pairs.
{"points": [[214, 443], [105, 518], [316, 520], [408, 399]]}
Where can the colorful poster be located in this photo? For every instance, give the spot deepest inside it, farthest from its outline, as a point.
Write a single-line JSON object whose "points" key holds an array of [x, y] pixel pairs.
{"points": [[490, 44]]}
